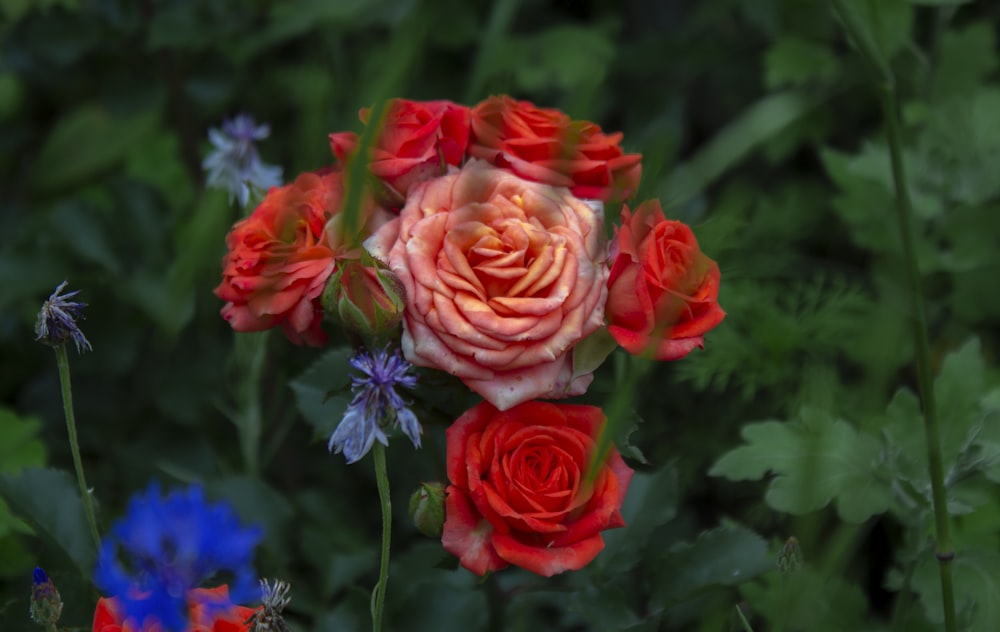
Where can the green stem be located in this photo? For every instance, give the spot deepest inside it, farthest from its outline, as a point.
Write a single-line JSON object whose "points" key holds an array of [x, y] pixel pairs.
{"points": [[62, 360], [743, 619], [382, 479], [919, 322], [870, 45], [251, 353]]}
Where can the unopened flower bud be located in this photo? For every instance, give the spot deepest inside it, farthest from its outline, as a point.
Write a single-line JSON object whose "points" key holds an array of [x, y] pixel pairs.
{"points": [[427, 509], [364, 296], [790, 557], [46, 605]]}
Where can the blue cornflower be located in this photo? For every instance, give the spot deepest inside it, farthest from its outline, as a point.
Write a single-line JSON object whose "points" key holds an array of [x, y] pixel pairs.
{"points": [[376, 404], [171, 546], [57, 320], [235, 165]]}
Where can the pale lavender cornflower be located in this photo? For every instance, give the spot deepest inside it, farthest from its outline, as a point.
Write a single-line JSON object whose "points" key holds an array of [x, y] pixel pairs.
{"points": [[376, 405], [235, 165], [57, 321]]}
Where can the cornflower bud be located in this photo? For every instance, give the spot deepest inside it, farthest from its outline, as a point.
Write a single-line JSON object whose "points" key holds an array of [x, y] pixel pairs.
{"points": [[46, 605]]}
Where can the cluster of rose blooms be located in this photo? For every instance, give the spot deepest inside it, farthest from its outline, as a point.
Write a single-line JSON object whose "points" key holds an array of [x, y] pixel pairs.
{"points": [[481, 230]]}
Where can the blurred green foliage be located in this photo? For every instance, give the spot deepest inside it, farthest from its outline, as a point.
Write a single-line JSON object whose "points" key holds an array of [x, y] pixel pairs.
{"points": [[759, 124]]}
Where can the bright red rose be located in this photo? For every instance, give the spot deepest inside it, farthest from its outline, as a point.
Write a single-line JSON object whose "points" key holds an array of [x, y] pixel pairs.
{"points": [[107, 617], [417, 141], [503, 278], [662, 292], [281, 256], [518, 492], [545, 145]]}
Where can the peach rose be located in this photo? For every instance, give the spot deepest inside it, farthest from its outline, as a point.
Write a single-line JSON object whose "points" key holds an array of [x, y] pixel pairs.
{"points": [[503, 277]]}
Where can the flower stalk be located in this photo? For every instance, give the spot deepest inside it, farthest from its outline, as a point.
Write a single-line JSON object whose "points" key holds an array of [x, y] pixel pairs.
{"points": [[872, 49], [62, 361], [382, 480], [943, 550]]}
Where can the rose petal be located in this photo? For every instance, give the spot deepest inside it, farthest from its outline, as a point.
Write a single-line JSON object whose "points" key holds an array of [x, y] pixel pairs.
{"points": [[547, 561], [468, 536]]}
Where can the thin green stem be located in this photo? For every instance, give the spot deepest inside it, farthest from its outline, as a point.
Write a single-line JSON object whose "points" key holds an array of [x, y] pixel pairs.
{"points": [[870, 44], [382, 480], [62, 361], [251, 353], [945, 554], [923, 357], [743, 619]]}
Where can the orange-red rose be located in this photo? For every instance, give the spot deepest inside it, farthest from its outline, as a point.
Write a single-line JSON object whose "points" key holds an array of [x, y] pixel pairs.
{"points": [[519, 493], [418, 140], [545, 145], [503, 277], [107, 616], [662, 292], [281, 256]]}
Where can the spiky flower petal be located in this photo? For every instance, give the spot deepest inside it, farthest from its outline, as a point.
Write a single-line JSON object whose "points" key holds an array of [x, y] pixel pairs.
{"points": [[57, 320], [376, 404], [235, 164]]}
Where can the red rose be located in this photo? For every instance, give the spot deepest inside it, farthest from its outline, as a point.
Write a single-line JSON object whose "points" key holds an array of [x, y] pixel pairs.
{"points": [[546, 146], [417, 141], [662, 292], [518, 493], [202, 619], [281, 256]]}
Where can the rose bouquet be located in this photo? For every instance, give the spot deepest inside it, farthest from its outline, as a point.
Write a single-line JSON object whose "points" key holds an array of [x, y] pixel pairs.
{"points": [[472, 241]]}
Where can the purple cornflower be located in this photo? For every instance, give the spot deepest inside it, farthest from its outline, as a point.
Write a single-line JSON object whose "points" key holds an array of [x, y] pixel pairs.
{"points": [[235, 165], [57, 321], [171, 546], [376, 404]]}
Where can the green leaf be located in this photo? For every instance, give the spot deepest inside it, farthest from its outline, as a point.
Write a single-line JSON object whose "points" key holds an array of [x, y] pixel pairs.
{"points": [[592, 351], [808, 600], [792, 61], [966, 59], [604, 607], [80, 229], [815, 461], [321, 391], [976, 581], [48, 499], [567, 57], [651, 501], [958, 389], [758, 123], [257, 503], [85, 142], [967, 409], [20, 449], [727, 556]]}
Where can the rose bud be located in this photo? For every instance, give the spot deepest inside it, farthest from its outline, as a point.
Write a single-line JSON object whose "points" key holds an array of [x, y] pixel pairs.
{"points": [[364, 296], [427, 509]]}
